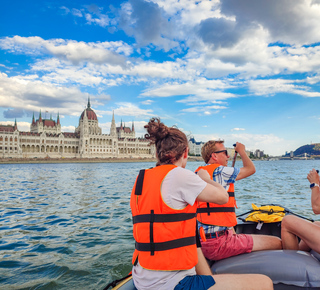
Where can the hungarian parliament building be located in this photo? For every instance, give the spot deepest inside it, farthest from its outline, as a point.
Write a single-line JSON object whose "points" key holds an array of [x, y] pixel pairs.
{"points": [[45, 140]]}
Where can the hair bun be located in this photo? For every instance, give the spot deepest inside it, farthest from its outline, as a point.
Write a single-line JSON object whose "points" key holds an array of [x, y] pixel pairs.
{"points": [[156, 130], [170, 143]]}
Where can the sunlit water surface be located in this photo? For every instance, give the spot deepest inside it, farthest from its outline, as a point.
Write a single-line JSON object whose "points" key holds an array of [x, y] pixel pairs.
{"points": [[68, 226]]}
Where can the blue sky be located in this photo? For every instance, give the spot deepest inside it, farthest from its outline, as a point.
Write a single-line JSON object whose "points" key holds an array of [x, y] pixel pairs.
{"points": [[246, 71]]}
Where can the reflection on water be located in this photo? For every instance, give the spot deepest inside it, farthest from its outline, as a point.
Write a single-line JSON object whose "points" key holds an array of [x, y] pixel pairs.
{"points": [[68, 226]]}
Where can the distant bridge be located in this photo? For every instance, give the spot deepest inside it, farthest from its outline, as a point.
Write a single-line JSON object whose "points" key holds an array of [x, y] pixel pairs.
{"points": [[304, 156]]}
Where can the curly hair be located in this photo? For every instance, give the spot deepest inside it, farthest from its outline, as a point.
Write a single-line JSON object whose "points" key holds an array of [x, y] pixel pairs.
{"points": [[170, 142], [208, 148]]}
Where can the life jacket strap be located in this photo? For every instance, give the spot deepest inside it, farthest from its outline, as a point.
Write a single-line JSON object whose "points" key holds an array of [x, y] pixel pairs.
{"points": [[139, 184], [164, 246], [231, 193], [162, 218], [215, 209], [152, 245]]}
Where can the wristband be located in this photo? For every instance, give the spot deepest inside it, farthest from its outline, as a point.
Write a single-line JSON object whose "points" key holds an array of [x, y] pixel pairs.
{"points": [[312, 185]]}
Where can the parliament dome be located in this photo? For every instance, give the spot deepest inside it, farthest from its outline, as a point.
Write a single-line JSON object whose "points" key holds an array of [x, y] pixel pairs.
{"points": [[91, 115]]}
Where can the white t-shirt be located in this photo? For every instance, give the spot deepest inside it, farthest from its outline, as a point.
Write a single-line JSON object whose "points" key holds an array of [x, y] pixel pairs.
{"points": [[179, 188]]}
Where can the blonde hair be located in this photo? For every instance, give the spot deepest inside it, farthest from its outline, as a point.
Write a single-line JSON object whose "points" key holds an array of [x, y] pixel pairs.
{"points": [[208, 148], [170, 142]]}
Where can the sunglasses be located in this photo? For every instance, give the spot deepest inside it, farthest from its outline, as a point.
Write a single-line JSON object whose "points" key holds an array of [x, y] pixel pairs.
{"points": [[224, 151]]}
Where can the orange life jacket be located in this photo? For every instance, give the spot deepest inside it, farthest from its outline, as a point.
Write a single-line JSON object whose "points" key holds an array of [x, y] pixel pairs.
{"points": [[216, 214], [165, 237]]}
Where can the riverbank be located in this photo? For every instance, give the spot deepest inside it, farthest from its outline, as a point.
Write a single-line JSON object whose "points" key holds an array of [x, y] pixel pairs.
{"points": [[81, 160], [72, 160]]}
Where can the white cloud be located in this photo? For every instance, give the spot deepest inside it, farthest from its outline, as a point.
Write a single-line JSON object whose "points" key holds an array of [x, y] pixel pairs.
{"points": [[288, 22], [147, 102], [130, 109], [76, 52], [76, 12], [102, 20], [164, 70], [86, 76], [65, 9], [269, 143], [313, 80], [147, 23], [207, 110], [247, 59], [238, 129], [30, 94], [22, 126], [203, 89], [189, 11], [68, 128], [273, 86], [92, 14]]}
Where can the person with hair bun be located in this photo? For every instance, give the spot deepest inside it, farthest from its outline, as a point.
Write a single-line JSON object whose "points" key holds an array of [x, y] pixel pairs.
{"points": [[163, 204]]}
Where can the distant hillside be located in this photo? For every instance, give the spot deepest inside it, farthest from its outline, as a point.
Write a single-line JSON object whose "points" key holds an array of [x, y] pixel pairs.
{"points": [[312, 149]]}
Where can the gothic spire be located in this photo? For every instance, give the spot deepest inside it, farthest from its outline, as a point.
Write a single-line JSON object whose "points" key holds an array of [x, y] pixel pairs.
{"points": [[113, 129]]}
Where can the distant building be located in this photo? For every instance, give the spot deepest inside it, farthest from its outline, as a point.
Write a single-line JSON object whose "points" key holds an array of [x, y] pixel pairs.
{"points": [[195, 147], [258, 154], [45, 125], [231, 152], [45, 140]]}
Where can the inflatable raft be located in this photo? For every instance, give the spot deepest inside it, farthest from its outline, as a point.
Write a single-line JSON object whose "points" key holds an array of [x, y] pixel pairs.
{"points": [[287, 269]]}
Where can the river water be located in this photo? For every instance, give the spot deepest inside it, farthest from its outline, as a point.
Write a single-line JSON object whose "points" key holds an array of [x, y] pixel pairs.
{"points": [[68, 226]]}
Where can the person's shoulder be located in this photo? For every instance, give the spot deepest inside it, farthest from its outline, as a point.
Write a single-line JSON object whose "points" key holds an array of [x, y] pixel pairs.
{"points": [[219, 168], [183, 173], [181, 170], [228, 169]]}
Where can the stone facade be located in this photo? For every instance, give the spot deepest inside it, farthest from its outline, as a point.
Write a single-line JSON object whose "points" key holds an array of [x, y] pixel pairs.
{"points": [[195, 147], [45, 140]]}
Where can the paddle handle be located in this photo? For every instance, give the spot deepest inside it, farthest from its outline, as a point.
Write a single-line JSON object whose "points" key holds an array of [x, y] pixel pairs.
{"points": [[235, 156]]}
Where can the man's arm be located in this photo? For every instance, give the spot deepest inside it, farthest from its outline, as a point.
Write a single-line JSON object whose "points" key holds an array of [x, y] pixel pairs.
{"points": [[213, 192], [313, 177], [248, 166]]}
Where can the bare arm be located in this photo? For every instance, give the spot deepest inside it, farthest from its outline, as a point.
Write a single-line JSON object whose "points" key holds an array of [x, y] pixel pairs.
{"points": [[202, 268], [213, 192], [248, 166], [313, 177]]}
